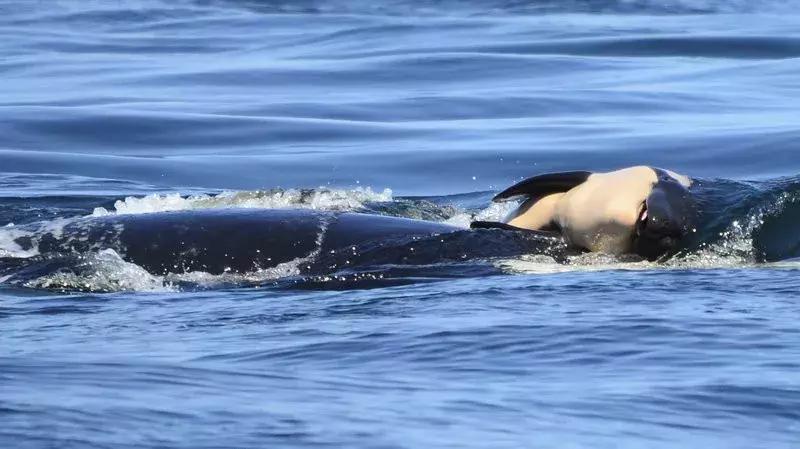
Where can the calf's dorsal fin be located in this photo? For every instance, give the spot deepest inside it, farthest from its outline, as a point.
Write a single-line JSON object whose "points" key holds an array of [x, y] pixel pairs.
{"points": [[541, 185]]}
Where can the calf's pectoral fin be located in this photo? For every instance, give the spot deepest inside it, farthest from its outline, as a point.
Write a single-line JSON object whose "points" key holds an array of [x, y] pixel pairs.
{"points": [[508, 227]]}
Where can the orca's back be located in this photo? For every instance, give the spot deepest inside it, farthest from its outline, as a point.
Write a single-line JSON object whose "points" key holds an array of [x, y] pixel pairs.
{"points": [[221, 240]]}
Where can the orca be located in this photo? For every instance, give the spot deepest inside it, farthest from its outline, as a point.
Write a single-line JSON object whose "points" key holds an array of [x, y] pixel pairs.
{"points": [[234, 240], [641, 210]]}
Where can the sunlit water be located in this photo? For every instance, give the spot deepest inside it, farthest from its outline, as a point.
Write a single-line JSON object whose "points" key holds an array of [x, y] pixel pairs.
{"points": [[418, 109]]}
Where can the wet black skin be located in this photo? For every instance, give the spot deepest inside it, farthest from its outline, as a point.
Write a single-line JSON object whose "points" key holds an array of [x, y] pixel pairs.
{"points": [[670, 213], [221, 240], [244, 240]]}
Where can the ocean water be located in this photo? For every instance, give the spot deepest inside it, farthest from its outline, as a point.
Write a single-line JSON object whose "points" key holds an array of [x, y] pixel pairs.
{"points": [[410, 108]]}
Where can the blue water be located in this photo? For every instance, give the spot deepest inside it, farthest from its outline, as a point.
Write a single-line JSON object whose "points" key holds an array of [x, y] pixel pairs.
{"points": [[418, 109]]}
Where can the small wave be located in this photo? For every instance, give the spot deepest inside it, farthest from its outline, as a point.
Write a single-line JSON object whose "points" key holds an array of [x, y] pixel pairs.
{"points": [[154, 12], [710, 258], [9, 246], [324, 199], [541, 264], [760, 225], [12, 237], [204, 280], [511, 7], [319, 199], [103, 271], [494, 212]]}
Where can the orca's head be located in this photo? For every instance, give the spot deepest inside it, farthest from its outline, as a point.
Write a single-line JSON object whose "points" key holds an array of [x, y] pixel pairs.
{"points": [[667, 218]]}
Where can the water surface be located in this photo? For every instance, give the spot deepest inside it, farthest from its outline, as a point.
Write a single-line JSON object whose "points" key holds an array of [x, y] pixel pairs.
{"points": [[418, 109]]}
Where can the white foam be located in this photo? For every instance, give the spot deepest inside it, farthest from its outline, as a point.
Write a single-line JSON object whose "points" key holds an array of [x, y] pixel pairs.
{"points": [[54, 227], [320, 199], [792, 264], [104, 271], [735, 250], [8, 245], [494, 212], [735, 246], [208, 280], [541, 264]]}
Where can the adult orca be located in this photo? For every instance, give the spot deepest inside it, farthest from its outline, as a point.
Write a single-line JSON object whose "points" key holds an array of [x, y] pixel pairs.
{"points": [[245, 240], [643, 210]]}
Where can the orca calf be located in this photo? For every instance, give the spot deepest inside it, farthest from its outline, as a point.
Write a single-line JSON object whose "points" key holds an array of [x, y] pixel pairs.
{"points": [[643, 210]]}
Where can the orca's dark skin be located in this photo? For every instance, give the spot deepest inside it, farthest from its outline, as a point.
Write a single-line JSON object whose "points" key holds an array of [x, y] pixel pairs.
{"points": [[244, 240], [219, 240]]}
